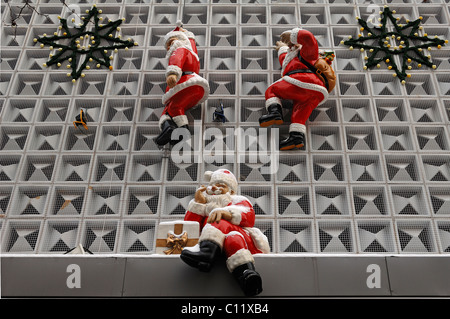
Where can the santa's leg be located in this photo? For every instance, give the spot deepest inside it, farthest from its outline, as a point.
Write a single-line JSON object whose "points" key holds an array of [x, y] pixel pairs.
{"points": [[241, 264], [208, 250], [273, 105], [305, 103], [174, 115]]}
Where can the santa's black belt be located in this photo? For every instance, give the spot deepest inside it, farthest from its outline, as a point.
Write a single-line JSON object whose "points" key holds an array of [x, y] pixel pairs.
{"points": [[298, 71], [187, 73]]}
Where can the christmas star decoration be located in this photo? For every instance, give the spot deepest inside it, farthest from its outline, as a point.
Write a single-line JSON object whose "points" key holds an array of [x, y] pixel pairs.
{"points": [[408, 41], [83, 48]]}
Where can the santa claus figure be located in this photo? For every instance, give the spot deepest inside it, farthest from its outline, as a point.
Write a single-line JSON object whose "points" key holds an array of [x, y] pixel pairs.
{"points": [[227, 226], [185, 87], [298, 83]]}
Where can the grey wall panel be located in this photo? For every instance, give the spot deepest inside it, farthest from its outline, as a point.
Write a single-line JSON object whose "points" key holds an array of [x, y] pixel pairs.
{"points": [[287, 275], [419, 276], [48, 276], [171, 277], [350, 276]]}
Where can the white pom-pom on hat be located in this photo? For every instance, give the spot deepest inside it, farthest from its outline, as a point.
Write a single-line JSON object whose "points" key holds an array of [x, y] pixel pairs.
{"points": [[178, 33], [207, 175]]}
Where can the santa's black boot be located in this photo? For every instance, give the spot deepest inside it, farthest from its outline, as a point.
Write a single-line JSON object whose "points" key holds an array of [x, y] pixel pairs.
{"points": [[204, 258], [180, 138], [167, 128], [249, 280], [275, 116], [295, 140]]}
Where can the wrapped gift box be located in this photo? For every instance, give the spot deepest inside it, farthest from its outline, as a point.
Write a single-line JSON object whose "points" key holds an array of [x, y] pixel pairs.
{"points": [[173, 236]]}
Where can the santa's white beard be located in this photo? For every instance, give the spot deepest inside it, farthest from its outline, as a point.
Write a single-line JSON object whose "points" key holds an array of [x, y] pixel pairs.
{"points": [[178, 44], [217, 201]]}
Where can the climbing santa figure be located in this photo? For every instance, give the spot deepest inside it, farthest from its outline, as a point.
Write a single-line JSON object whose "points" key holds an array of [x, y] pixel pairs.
{"points": [[185, 87], [307, 78], [227, 227]]}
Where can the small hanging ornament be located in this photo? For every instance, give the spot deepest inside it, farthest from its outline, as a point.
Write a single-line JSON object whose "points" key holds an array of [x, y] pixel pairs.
{"points": [[80, 120], [219, 114]]}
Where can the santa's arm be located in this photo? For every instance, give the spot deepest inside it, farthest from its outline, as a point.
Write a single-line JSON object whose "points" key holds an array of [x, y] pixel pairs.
{"points": [[196, 212], [242, 213], [191, 38], [310, 48], [282, 52], [176, 62]]}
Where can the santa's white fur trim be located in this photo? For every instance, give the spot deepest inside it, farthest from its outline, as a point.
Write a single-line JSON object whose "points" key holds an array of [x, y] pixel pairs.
{"points": [[238, 199], [259, 239], [189, 34], [297, 127], [174, 69], [236, 216], [308, 86], [175, 34], [237, 210], [241, 257], [273, 100], [294, 35], [292, 54], [180, 120], [181, 44], [196, 208], [162, 119], [283, 49], [211, 233], [195, 80]]}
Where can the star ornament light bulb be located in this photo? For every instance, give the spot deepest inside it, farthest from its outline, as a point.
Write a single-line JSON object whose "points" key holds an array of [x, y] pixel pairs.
{"points": [[410, 50]]}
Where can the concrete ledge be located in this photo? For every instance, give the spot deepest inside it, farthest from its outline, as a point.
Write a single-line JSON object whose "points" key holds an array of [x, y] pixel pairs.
{"points": [[292, 275]]}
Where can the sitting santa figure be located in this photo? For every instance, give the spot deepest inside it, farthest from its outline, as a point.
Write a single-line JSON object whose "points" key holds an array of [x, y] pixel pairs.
{"points": [[227, 225], [185, 87], [298, 83]]}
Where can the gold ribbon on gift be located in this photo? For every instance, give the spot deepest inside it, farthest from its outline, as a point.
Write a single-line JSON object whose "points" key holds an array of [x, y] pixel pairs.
{"points": [[176, 243]]}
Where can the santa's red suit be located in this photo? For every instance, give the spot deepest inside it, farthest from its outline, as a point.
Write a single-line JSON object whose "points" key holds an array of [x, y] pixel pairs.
{"points": [[191, 89], [237, 238], [306, 90]]}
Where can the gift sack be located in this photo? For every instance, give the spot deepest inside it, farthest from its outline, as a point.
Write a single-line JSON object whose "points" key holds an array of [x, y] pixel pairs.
{"points": [[173, 236]]}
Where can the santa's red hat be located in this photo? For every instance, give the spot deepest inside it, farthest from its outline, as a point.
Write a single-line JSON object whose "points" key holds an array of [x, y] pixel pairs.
{"points": [[222, 176], [178, 33]]}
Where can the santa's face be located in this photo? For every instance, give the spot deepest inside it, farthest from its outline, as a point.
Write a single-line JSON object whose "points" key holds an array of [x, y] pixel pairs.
{"points": [[217, 189], [218, 195]]}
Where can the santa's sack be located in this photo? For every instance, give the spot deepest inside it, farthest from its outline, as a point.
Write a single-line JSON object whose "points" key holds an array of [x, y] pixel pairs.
{"points": [[326, 73], [173, 236], [322, 68]]}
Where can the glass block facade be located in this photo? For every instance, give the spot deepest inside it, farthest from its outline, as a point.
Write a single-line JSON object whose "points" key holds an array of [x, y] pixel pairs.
{"points": [[374, 176]]}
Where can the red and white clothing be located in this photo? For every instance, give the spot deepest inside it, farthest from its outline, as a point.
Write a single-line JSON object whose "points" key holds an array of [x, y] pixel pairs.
{"points": [[306, 90], [238, 238], [191, 89]]}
